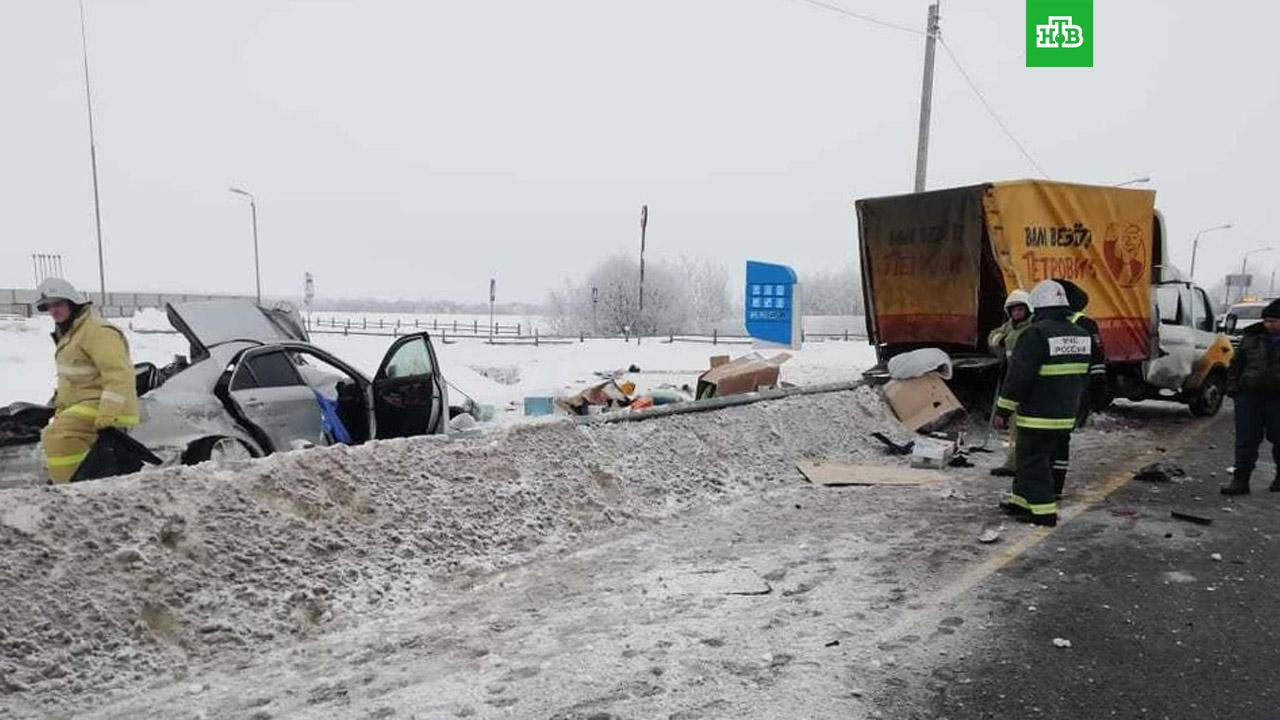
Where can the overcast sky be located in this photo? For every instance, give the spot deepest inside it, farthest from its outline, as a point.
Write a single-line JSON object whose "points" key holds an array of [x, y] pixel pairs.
{"points": [[409, 148]]}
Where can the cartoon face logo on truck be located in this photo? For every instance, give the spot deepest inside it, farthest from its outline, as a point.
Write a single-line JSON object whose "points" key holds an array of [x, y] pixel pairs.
{"points": [[1125, 252]]}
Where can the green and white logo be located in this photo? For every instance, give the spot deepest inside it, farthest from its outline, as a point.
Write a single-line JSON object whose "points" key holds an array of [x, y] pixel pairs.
{"points": [[1059, 33]]}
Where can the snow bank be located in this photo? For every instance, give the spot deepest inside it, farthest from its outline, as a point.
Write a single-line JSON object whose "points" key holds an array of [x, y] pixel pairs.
{"points": [[110, 585]]}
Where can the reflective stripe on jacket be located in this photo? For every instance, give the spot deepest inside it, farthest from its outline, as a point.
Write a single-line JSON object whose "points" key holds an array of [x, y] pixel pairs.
{"points": [[1048, 373], [1098, 359]]}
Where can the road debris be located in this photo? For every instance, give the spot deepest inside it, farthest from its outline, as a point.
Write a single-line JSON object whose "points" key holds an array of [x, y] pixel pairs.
{"points": [[922, 403], [932, 454], [893, 448], [990, 535], [1160, 472], [1216, 557], [602, 397], [1191, 517], [1061, 643], [748, 373], [914, 364]]}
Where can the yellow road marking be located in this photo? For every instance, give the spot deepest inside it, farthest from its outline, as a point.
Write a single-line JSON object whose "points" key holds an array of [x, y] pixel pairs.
{"points": [[974, 576]]}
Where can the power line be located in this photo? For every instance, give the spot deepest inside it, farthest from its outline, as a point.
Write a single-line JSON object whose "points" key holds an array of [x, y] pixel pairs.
{"points": [[954, 61], [867, 18], [990, 110]]}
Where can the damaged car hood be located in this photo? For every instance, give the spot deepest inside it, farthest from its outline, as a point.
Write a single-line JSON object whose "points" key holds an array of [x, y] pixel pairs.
{"points": [[208, 323]]}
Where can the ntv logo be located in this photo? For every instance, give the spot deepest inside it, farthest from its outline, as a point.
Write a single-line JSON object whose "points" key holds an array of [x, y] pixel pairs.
{"points": [[1059, 33]]}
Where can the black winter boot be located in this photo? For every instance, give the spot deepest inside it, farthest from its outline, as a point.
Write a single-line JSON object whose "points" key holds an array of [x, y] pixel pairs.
{"points": [[1239, 484], [1050, 520], [1008, 507]]}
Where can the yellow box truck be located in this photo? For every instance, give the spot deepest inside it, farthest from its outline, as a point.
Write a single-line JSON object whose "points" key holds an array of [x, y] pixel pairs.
{"points": [[937, 267]]}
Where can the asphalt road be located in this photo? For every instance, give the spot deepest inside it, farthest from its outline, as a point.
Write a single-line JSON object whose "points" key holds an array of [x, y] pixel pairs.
{"points": [[1165, 618]]}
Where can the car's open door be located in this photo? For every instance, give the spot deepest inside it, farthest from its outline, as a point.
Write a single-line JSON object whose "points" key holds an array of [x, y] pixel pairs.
{"points": [[263, 390], [408, 390]]}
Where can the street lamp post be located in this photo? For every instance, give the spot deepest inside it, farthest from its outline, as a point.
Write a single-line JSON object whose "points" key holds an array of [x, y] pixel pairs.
{"points": [[644, 223], [253, 212], [93, 160], [1195, 245]]}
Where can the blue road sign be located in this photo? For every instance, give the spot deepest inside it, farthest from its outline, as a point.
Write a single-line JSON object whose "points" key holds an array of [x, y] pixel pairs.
{"points": [[771, 312]]}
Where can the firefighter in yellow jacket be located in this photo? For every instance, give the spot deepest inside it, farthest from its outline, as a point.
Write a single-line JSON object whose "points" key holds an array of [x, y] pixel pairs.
{"points": [[96, 386]]}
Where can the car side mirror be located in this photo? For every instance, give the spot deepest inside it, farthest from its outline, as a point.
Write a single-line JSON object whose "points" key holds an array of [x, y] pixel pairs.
{"points": [[1229, 325]]}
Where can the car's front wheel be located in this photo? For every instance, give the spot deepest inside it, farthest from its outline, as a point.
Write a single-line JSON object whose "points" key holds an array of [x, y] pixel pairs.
{"points": [[1208, 399], [219, 449]]}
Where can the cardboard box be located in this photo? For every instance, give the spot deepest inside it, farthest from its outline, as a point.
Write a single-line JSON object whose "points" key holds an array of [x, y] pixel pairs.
{"points": [[922, 403], [743, 375]]}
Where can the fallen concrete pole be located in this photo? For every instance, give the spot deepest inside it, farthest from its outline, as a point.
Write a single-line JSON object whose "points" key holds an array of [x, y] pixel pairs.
{"points": [[719, 403]]}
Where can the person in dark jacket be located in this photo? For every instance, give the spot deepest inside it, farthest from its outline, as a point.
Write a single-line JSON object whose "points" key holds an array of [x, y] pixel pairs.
{"points": [[1078, 300], [1253, 381], [1046, 379]]}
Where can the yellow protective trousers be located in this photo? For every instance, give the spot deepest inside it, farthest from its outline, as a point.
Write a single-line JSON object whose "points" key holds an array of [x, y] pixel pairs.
{"points": [[67, 440]]}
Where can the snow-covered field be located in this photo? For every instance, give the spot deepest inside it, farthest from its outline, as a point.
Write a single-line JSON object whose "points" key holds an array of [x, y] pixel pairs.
{"points": [[27, 371]]}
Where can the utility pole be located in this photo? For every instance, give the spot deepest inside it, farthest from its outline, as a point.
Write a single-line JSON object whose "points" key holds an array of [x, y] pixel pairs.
{"points": [[644, 223], [93, 158], [926, 98]]}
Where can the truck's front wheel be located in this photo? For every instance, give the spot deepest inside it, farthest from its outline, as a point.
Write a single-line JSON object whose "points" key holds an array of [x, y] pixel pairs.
{"points": [[1208, 398]]}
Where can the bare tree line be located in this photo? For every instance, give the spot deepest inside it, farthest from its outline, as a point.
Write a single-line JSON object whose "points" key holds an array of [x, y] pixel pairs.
{"points": [[685, 296]]}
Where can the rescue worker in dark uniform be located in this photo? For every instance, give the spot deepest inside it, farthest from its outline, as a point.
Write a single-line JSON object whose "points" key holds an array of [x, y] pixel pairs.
{"points": [[1078, 300], [1253, 381], [1044, 385]]}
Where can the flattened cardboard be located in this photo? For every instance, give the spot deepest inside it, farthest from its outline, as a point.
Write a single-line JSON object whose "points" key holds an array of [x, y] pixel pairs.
{"points": [[842, 474]]}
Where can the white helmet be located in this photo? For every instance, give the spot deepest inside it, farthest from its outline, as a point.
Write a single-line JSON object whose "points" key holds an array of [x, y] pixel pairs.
{"points": [[1018, 297], [55, 288], [1048, 294]]}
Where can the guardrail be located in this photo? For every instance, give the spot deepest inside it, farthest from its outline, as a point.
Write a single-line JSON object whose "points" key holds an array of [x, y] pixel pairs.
{"points": [[445, 333]]}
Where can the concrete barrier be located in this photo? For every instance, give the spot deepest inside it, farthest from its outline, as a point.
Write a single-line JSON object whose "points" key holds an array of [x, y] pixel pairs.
{"points": [[21, 301]]}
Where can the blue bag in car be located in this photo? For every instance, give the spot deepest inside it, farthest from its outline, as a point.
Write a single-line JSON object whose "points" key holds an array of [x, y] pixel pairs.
{"points": [[330, 422]]}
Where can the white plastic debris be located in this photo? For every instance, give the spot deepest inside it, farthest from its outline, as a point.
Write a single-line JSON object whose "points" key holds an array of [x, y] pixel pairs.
{"points": [[920, 362], [1216, 557], [1061, 643], [989, 536], [932, 454]]}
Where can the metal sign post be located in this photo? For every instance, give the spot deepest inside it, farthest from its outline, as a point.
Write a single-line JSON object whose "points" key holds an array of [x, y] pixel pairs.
{"points": [[493, 294], [595, 300]]}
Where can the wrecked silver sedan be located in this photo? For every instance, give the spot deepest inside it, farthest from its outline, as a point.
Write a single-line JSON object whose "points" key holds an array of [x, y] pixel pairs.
{"points": [[255, 385]]}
